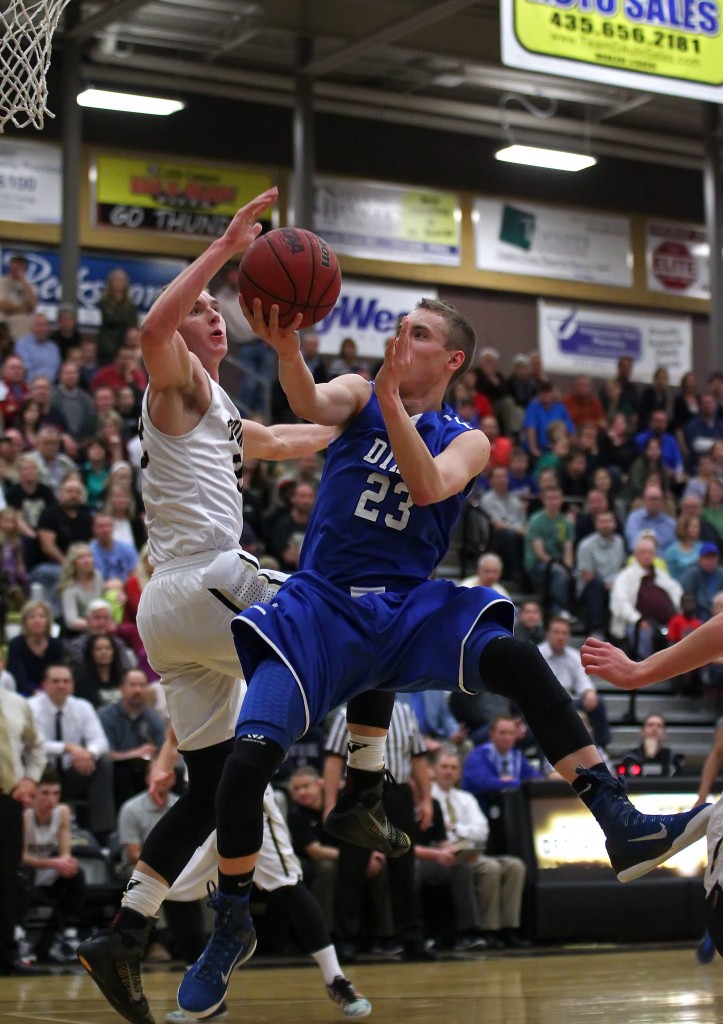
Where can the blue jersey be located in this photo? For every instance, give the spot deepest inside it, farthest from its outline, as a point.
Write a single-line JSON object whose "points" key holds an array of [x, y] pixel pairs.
{"points": [[365, 530]]}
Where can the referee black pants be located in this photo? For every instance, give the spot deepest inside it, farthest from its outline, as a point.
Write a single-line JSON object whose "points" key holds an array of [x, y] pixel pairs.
{"points": [[352, 865]]}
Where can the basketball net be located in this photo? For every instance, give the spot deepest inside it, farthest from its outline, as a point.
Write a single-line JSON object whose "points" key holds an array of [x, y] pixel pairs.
{"points": [[26, 37]]}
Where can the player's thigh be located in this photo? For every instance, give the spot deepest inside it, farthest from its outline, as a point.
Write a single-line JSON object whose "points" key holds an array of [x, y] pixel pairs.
{"points": [[182, 621]]}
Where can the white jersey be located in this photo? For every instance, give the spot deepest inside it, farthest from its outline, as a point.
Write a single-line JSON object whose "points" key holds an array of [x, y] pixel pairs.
{"points": [[192, 484]]}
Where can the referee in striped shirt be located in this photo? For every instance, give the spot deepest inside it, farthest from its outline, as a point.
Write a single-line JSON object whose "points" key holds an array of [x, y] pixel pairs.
{"points": [[405, 758]]}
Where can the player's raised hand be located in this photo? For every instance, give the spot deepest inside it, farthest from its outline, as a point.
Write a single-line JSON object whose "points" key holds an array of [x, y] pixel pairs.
{"points": [[609, 662], [244, 227], [397, 360], [283, 340]]}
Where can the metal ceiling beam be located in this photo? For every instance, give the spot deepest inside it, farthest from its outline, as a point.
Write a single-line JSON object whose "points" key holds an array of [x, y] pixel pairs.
{"points": [[114, 11], [435, 12], [435, 114]]}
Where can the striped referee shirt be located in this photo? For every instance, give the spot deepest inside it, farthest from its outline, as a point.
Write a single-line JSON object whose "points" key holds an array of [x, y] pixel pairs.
{"points": [[403, 742]]}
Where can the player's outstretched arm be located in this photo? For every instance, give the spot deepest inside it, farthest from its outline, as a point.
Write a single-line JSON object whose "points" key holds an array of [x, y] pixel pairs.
{"points": [[165, 355], [284, 441], [330, 404], [701, 647]]}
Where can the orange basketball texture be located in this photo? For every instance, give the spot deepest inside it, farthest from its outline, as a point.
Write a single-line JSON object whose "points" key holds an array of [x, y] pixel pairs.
{"points": [[293, 268]]}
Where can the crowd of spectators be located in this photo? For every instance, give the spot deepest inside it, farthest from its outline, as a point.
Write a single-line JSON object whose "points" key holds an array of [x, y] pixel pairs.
{"points": [[605, 503]]}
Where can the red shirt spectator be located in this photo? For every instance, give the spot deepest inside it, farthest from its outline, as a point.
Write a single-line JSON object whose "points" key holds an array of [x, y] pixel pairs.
{"points": [[123, 370], [13, 390]]}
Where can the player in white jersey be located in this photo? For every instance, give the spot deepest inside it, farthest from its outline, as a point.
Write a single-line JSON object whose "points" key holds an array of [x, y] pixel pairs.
{"points": [[192, 437]]}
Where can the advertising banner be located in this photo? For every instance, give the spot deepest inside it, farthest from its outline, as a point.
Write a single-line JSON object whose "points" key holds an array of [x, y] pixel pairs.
{"points": [[388, 222], [576, 340], [673, 47], [676, 259], [543, 241], [367, 311], [31, 182], [147, 277], [175, 198]]}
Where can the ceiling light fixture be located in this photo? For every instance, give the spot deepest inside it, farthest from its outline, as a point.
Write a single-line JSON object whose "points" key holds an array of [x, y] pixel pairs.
{"points": [[103, 99], [554, 159]]}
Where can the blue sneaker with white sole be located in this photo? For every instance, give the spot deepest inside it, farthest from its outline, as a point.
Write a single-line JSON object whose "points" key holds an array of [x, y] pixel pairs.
{"points": [[232, 942], [636, 843], [705, 950]]}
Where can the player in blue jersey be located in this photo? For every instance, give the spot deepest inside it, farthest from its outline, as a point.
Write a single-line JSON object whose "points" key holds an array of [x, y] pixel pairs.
{"points": [[363, 614]]}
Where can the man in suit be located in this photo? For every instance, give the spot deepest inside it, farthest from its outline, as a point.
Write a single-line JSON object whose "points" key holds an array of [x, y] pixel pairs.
{"points": [[496, 766]]}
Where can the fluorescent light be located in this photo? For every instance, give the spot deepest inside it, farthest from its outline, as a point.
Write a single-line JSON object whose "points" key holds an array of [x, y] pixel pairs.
{"points": [[105, 100], [555, 159]]}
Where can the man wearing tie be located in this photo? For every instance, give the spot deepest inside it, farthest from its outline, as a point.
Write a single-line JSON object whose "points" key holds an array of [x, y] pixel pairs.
{"points": [[76, 746], [22, 760], [495, 766], [499, 880]]}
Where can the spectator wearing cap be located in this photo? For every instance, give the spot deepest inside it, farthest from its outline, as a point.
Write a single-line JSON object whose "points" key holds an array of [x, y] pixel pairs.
{"points": [[18, 298], [704, 580], [38, 351], [540, 413], [66, 334]]}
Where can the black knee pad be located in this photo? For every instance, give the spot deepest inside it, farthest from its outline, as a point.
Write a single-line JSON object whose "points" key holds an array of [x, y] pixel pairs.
{"points": [[373, 707], [240, 795], [516, 669]]}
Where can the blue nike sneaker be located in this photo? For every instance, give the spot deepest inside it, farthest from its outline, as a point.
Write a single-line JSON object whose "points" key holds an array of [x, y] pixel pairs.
{"points": [[232, 942], [636, 843]]}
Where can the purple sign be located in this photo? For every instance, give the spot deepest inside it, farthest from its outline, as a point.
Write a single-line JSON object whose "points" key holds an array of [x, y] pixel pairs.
{"points": [[604, 341]]}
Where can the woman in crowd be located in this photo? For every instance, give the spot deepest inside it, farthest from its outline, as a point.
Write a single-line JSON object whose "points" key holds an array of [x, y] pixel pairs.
{"points": [[616, 447], [648, 464], [15, 581], [99, 677], [685, 549], [29, 423], [95, 470], [128, 525], [348, 361], [655, 396], [80, 583], [686, 405], [117, 312], [30, 653]]}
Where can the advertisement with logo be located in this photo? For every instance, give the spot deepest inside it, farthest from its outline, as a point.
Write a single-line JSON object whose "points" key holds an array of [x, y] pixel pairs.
{"points": [[676, 258], [367, 311], [31, 182], [147, 277], [574, 340], [175, 198], [386, 222], [543, 241], [675, 48]]}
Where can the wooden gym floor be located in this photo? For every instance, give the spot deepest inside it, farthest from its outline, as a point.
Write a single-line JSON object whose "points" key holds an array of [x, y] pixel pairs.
{"points": [[654, 986]]}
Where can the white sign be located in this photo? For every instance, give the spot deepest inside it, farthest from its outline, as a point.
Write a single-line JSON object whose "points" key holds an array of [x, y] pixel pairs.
{"points": [[543, 241], [576, 340], [30, 182], [388, 222], [676, 259], [367, 311]]}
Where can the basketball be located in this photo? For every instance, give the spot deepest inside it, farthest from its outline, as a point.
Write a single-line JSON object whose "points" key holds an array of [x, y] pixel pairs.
{"points": [[293, 268]]}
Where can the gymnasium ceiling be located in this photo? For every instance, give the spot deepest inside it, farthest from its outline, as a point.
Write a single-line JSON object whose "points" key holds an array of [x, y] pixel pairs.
{"points": [[430, 63]]}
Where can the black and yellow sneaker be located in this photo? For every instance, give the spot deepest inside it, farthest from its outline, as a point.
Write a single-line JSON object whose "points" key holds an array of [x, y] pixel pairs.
{"points": [[363, 821], [113, 960]]}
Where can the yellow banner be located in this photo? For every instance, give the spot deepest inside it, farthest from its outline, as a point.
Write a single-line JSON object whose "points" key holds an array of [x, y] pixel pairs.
{"points": [[175, 198], [678, 39]]}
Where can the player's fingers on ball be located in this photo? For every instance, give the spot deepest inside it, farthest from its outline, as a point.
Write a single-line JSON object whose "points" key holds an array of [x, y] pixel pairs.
{"points": [[274, 316], [296, 324]]}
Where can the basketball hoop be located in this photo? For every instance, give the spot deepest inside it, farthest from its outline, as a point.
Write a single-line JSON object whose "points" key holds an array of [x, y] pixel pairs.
{"points": [[26, 38]]}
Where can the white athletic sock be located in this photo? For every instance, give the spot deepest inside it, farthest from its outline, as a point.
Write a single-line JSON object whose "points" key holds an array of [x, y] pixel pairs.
{"points": [[366, 752], [328, 963], [144, 894]]}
